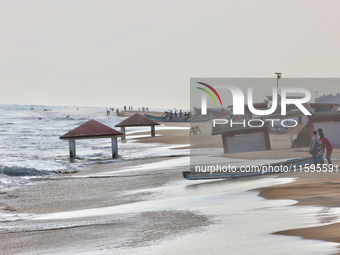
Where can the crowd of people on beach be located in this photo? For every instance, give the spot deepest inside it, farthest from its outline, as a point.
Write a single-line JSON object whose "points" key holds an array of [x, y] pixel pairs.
{"points": [[318, 145], [180, 114], [130, 108], [108, 112], [170, 114]]}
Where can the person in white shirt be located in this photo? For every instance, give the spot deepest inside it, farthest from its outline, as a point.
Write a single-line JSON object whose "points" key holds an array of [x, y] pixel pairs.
{"points": [[314, 146]]}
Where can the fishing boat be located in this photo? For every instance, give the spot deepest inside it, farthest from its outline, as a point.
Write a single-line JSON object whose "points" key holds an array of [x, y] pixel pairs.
{"points": [[155, 118], [166, 118], [215, 112], [292, 165]]}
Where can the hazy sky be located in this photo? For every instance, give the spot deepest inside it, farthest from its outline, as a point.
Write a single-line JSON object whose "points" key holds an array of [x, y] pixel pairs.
{"points": [[143, 53]]}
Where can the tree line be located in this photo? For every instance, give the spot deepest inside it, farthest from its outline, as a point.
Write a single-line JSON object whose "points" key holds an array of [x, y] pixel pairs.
{"points": [[329, 99]]}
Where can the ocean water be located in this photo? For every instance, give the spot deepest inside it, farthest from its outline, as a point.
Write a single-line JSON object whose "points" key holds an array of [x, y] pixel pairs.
{"points": [[30, 144]]}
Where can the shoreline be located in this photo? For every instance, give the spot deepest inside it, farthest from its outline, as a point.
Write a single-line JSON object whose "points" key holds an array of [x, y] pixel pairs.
{"points": [[106, 185]]}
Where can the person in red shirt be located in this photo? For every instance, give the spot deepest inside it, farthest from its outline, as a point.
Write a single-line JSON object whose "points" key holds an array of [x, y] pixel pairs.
{"points": [[326, 143]]}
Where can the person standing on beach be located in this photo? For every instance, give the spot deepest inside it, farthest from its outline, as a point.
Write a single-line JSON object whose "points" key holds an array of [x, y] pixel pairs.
{"points": [[329, 148], [314, 147], [322, 148]]}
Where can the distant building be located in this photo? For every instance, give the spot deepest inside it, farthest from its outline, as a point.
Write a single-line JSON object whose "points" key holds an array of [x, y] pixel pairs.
{"points": [[324, 107], [329, 122]]}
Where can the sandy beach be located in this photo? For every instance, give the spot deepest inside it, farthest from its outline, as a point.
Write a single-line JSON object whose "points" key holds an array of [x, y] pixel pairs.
{"points": [[314, 189], [145, 206]]}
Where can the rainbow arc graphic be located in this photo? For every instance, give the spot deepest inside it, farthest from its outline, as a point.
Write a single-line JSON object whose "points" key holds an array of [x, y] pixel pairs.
{"points": [[209, 93]]}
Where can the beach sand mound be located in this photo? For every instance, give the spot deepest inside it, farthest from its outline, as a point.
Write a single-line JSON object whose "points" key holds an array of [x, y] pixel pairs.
{"points": [[297, 129]]}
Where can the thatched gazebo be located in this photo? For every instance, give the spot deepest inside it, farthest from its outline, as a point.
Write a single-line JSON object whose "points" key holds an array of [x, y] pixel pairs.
{"points": [[137, 120], [91, 130]]}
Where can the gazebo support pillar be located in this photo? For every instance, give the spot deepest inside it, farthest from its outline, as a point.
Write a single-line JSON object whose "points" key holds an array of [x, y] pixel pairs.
{"points": [[122, 130], [153, 133], [72, 146], [114, 147]]}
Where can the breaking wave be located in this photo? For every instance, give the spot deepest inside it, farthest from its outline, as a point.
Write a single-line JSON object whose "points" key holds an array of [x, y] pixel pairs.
{"points": [[22, 171]]}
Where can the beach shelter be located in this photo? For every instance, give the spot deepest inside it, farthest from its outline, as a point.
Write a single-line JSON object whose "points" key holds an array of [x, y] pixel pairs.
{"points": [[329, 122], [238, 138], [92, 130], [135, 121]]}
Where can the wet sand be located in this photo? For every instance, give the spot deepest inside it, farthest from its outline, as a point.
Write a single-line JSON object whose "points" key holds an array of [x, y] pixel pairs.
{"points": [[86, 190]]}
